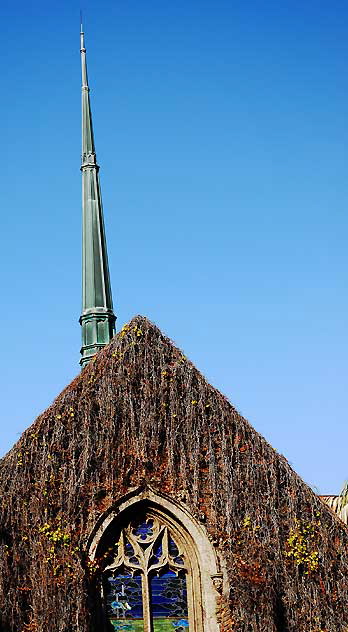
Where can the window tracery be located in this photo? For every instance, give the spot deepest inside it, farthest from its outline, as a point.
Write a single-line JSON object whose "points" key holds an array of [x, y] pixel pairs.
{"points": [[158, 570], [147, 584]]}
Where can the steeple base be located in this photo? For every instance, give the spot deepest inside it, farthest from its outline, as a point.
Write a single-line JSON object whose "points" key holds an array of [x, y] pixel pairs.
{"points": [[98, 327]]}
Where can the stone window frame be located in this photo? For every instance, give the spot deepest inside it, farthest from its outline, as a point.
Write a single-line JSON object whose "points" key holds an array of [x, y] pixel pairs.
{"points": [[204, 579]]}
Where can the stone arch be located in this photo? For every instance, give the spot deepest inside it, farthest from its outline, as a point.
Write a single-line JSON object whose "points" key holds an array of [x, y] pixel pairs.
{"points": [[204, 576]]}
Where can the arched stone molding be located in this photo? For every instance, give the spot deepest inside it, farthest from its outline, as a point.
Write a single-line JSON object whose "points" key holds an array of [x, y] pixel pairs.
{"points": [[206, 578]]}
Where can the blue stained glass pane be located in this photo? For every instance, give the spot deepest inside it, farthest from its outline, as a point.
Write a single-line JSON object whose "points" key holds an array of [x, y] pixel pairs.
{"points": [[156, 556], [169, 603], [144, 529], [129, 549], [124, 602], [174, 552], [158, 550], [173, 549], [179, 560]]}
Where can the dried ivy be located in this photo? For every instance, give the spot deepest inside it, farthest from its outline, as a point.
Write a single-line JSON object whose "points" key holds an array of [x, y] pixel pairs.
{"points": [[141, 413]]}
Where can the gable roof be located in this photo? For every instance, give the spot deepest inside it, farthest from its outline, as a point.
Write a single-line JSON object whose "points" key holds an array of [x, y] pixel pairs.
{"points": [[140, 413]]}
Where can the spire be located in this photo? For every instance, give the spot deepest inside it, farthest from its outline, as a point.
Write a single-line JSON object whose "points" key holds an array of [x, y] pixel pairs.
{"points": [[97, 319]]}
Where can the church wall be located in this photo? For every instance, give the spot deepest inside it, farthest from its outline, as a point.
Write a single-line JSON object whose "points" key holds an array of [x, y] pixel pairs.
{"points": [[140, 416]]}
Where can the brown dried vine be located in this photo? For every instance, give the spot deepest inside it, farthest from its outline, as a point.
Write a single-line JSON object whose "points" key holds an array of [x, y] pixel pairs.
{"points": [[140, 412]]}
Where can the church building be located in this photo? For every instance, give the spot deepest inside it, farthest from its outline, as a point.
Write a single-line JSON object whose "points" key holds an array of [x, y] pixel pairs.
{"points": [[142, 501]]}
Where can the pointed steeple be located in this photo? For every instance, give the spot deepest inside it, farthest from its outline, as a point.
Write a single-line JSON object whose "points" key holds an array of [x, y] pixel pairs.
{"points": [[97, 319]]}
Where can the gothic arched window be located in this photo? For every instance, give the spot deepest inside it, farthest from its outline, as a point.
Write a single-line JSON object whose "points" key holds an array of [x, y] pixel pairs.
{"points": [[157, 569], [145, 586]]}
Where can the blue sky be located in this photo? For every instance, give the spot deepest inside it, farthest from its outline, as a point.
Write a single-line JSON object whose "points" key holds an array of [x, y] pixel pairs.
{"points": [[221, 131]]}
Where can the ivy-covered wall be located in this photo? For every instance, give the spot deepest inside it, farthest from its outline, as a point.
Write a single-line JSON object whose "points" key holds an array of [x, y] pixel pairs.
{"points": [[141, 413]]}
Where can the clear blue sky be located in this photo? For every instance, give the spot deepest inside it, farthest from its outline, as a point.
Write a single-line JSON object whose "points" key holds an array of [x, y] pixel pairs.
{"points": [[221, 131]]}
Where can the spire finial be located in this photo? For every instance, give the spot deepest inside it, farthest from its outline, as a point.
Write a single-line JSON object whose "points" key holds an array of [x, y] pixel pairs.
{"points": [[97, 318], [82, 35]]}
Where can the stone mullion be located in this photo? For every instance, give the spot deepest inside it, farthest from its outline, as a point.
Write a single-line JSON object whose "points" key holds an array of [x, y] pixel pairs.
{"points": [[148, 623], [146, 603]]}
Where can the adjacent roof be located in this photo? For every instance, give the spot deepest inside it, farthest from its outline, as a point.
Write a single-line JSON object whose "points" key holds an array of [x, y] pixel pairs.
{"points": [[335, 503]]}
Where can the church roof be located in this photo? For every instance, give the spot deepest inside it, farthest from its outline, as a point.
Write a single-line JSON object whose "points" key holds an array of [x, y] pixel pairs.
{"points": [[141, 414]]}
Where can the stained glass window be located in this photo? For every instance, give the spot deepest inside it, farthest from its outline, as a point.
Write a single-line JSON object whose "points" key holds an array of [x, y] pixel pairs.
{"points": [[145, 584], [124, 602], [169, 602]]}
